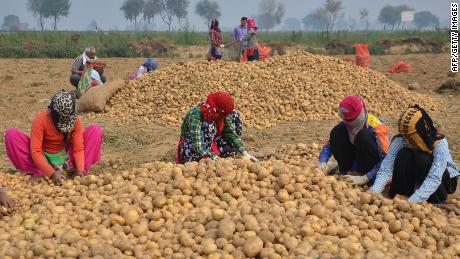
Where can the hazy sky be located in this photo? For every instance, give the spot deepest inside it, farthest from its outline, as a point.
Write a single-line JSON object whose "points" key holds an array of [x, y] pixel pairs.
{"points": [[108, 15]]}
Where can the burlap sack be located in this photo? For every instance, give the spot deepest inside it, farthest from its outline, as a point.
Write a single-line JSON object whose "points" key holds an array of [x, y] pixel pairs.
{"points": [[232, 52], [95, 99]]}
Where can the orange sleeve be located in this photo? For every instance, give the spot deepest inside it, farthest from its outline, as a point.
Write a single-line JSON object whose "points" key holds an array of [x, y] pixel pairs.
{"points": [[36, 150], [382, 132], [78, 146]]}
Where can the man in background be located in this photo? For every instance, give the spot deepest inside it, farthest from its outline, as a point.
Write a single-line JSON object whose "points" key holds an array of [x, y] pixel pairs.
{"points": [[240, 32]]}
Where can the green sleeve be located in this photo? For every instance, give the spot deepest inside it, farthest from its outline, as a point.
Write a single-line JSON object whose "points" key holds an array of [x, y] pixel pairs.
{"points": [[230, 133]]}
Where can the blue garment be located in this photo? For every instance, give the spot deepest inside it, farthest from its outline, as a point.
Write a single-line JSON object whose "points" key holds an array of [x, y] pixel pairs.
{"points": [[254, 57], [240, 33], [215, 53], [326, 151], [151, 63], [442, 159]]}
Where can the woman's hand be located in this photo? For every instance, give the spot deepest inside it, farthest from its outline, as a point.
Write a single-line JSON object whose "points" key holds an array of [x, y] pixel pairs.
{"points": [[58, 178], [6, 201], [245, 154]]}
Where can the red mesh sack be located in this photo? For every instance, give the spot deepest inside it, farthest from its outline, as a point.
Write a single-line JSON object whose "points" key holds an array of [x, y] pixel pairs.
{"points": [[264, 52], [362, 55], [399, 67]]}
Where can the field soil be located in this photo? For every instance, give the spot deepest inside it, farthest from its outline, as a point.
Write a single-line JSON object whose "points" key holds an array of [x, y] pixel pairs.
{"points": [[26, 84]]}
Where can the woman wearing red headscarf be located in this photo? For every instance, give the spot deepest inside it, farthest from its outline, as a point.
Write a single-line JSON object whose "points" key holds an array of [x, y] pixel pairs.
{"points": [[358, 143], [212, 129]]}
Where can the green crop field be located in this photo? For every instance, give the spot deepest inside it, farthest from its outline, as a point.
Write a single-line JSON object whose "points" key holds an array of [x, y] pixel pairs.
{"points": [[138, 44]]}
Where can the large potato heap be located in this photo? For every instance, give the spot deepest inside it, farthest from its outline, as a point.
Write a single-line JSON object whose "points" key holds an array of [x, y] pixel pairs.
{"points": [[297, 87], [222, 209]]}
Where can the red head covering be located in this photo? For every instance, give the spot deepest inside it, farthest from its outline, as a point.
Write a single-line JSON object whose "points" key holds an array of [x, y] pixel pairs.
{"points": [[220, 104], [351, 107], [252, 24]]}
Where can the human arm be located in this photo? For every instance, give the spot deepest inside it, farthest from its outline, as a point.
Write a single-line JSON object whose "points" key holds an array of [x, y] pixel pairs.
{"points": [[76, 138], [77, 65], [325, 153], [385, 173], [230, 133], [434, 177], [36, 146]]}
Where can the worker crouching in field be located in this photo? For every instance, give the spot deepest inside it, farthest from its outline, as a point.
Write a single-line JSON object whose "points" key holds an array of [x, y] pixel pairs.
{"points": [[212, 130], [58, 146], [149, 66], [418, 164], [359, 143], [80, 65]]}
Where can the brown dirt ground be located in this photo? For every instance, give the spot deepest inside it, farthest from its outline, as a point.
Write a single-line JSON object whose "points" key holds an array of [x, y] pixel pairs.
{"points": [[24, 83]]}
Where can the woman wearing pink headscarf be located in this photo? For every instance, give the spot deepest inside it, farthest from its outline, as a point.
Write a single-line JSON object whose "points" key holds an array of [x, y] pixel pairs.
{"points": [[358, 143]]}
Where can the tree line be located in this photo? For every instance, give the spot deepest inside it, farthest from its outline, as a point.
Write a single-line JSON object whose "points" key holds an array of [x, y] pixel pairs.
{"points": [[270, 14]]}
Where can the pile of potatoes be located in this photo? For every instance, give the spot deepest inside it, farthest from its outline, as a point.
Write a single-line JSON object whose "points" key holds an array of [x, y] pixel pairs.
{"points": [[295, 87], [230, 208]]}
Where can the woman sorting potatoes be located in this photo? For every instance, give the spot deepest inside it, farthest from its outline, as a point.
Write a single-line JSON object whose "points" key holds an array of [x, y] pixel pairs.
{"points": [[212, 130], [419, 164], [58, 146], [358, 143]]}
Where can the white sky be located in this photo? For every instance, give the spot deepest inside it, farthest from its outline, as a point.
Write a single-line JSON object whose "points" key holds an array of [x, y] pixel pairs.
{"points": [[108, 15]]}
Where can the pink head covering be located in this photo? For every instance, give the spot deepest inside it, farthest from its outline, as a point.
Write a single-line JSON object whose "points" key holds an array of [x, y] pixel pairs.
{"points": [[353, 112], [252, 24], [351, 107]]}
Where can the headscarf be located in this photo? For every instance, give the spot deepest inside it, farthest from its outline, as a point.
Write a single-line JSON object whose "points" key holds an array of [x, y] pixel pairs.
{"points": [[151, 63], [220, 104], [63, 112], [214, 25], [86, 58], [353, 112], [417, 129], [252, 24]]}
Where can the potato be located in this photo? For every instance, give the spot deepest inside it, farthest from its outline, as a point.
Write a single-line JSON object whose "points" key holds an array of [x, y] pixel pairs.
{"points": [[159, 210], [218, 214], [300, 94], [131, 216], [226, 229], [253, 246], [208, 246]]}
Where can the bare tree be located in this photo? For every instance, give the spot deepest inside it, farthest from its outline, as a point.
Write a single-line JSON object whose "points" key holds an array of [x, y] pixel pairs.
{"points": [[40, 10], [364, 16], [317, 20], [151, 9], [333, 8], [171, 9], [271, 14], [132, 10], [207, 10], [58, 10]]}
